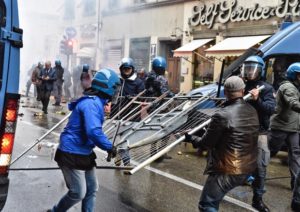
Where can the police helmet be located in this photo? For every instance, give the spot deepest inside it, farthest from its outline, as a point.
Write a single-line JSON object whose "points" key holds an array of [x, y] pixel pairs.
{"points": [[126, 63], [159, 65], [293, 69], [57, 62], [106, 81], [253, 68], [40, 64], [85, 68]]}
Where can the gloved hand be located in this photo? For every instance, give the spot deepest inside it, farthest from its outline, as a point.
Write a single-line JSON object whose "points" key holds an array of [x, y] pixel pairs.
{"points": [[192, 139], [188, 138], [156, 85], [111, 153]]}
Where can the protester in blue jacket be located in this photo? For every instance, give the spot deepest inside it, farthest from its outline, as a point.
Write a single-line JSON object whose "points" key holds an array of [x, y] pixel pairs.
{"points": [[83, 132]]}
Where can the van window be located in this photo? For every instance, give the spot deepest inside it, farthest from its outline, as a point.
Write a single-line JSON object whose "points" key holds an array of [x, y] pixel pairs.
{"points": [[2, 14], [2, 44], [276, 68], [269, 71]]}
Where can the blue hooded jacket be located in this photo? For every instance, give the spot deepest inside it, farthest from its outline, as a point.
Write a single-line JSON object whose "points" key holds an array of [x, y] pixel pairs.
{"points": [[84, 129]]}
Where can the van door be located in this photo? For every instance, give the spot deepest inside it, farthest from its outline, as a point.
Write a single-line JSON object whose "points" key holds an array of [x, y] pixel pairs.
{"points": [[10, 44]]}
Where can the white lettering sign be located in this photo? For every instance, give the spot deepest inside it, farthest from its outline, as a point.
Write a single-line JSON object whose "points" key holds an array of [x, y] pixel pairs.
{"points": [[228, 11]]}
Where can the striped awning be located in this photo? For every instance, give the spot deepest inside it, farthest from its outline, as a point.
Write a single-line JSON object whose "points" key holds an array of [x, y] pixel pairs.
{"points": [[187, 49], [234, 46]]}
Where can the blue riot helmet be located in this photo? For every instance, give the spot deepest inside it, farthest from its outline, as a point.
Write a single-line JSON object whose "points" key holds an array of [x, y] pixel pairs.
{"points": [[107, 82], [292, 71], [40, 65], [85, 68], [57, 63], [253, 68], [159, 65], [126, 67]]}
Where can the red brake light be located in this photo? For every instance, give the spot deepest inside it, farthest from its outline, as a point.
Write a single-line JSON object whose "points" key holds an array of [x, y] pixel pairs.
{"points": [[7, 143], [8, 134], [11, 115]]}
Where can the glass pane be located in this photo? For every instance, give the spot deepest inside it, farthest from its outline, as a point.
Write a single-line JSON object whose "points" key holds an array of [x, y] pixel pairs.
{"points": [[2, 14]]}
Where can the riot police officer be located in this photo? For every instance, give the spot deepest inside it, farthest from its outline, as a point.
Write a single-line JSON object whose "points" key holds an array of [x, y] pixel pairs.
{"points": [[264, 102], [156, 83], [131, 84], [85, 77], [57, 90]]}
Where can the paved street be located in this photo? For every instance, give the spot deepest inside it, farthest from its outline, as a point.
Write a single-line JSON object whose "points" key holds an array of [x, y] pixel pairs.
{"points": [[172, 185]]}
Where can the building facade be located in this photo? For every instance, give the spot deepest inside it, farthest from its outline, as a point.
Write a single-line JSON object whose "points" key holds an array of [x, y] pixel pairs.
{"points": [[194, 36]]}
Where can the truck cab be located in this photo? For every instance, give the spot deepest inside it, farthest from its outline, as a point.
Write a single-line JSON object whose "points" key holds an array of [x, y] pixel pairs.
{"points": [[10, 44]]}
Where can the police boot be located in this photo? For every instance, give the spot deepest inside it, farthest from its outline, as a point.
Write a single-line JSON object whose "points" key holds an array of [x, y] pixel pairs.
{"points": [[259, 205], [295, 206]]}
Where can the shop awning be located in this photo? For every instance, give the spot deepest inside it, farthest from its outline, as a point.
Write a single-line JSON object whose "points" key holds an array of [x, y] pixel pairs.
{"points": [[234, 46], [187, 49], [86, 52]]}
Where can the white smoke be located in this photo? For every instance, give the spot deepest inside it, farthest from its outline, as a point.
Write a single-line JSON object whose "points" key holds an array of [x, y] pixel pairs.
{"points": [[39, 21]]}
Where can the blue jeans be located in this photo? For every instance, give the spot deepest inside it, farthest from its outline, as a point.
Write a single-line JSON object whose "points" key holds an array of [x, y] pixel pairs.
{"points": [[216, 187], [82, 185], [263, 159]]}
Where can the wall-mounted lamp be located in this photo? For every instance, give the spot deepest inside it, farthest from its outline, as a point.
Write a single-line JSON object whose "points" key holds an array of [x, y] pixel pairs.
{"points": [[178, 33]]}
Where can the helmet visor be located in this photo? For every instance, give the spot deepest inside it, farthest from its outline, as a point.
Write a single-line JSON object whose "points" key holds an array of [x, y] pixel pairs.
{"points": [[116, 95], [251, 71]]}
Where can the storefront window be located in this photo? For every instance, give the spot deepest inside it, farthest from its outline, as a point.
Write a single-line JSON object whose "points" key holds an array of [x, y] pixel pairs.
{"points": [[203, 68], [69, 10], [140, 51], [113, 4], [89, 8], [113, 54], [276, 68]]}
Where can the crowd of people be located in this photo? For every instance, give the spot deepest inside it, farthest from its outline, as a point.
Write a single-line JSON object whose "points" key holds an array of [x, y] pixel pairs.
{"points": [[57, 81], [241, 137], [83, 132]]}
